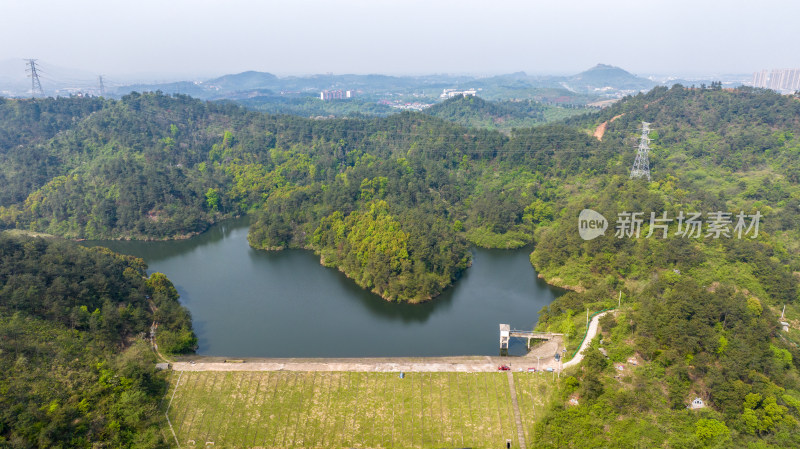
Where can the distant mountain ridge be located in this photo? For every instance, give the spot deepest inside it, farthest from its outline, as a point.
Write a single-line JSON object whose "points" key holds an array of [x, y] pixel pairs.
{"points": [[602, 81], [245, 80], [602, 75]]}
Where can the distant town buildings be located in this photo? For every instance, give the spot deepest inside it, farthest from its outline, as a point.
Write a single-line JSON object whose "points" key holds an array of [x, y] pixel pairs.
{"points": [[450, 93], [406, 105], [781, 80], [326, 95]]}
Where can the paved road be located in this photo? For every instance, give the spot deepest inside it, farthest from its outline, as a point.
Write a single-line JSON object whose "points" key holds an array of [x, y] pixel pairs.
{"points": [[465, 364], [470, 364], [594, 325]]}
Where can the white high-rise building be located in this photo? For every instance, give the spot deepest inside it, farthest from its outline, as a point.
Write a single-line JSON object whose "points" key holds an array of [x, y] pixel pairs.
{"points": [[780, 80]]}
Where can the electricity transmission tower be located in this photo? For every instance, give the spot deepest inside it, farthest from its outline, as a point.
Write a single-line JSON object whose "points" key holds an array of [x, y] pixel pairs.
{"points": [[641, 166], [36, 85], [102, 86]]}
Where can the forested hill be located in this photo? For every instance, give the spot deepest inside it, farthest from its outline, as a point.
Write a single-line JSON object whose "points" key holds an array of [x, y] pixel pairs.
{"points": [[476, 112], [738, 129], [137, 166], [152, 166], [23, 125], [701, 318], [391, 201], [708, 108], [76, 369], [394, 201], [308, 106]]}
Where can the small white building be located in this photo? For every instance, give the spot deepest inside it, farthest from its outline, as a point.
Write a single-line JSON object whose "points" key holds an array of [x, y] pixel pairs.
{"points": [[450, 93], [697, 403], [327, 95], [505, 334]]}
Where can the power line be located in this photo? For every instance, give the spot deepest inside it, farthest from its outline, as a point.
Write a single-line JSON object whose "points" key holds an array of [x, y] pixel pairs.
{"points": [[36, 85], [62, 81], [641, 166], [61, 76]]}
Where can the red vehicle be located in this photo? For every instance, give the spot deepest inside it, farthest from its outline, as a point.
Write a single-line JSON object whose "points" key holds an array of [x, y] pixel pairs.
{"points": [[503, 368], [531, 370]]}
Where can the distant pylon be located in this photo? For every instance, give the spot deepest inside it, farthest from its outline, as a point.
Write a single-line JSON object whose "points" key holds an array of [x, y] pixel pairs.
{"points": [[102, 86], [36, 85], [641, 166]]}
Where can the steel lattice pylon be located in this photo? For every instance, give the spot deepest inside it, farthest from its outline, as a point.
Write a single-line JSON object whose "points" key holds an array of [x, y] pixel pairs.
{"points": [[641, 166], [36, 85]]}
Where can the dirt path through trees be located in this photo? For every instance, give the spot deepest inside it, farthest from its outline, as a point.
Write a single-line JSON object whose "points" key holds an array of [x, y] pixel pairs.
{"points": [[600, 131]]}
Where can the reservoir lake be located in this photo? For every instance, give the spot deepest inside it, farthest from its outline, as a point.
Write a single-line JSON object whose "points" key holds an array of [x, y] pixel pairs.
{"points": [[251, 303]]}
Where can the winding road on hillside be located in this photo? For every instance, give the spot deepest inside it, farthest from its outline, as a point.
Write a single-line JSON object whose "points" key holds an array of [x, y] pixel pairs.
{"points": [[594, 326]]}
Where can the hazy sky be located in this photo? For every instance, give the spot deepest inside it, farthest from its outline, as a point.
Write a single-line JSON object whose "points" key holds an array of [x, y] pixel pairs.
{"points": [[201, 38]]}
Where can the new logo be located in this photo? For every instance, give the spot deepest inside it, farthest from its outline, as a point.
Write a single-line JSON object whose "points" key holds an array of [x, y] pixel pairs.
{"points": [[591, 224]]}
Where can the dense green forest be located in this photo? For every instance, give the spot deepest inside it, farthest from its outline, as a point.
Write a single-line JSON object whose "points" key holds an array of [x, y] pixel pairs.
{"points": [[153, 166], [76, 368], [474, 112], [307, 106], [700, 312], [394, 202], [506, 115]]}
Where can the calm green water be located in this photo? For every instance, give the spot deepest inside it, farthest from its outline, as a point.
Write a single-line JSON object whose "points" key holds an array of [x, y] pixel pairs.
{"points": [[248, 303]]}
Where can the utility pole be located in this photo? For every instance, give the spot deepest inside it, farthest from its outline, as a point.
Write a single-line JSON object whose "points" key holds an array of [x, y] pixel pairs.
{"points": [[784, 311], [619, 301], [102, 87], [36, 85], [641, 166]]}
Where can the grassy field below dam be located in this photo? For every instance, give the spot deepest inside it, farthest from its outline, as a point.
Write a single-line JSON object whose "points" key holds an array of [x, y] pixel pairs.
{"points": [[279, 409]]}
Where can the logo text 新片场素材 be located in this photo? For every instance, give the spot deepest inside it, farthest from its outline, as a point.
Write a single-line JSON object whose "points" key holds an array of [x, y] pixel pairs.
{"points": [[592, 224]]}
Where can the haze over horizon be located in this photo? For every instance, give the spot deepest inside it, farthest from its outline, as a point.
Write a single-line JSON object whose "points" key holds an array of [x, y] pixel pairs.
{"points": [[206, 38]]}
